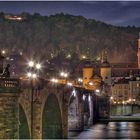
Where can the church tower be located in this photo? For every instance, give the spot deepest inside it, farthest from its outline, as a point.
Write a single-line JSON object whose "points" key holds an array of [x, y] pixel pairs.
{"points": [[87, 74], [105, 69], [138, 54]]}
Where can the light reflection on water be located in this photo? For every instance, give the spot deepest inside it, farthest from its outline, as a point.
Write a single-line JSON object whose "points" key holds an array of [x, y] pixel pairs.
{"points": [[111, 130]]}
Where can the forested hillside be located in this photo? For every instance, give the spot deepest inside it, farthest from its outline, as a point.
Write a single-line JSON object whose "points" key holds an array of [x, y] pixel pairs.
{"points": [[50, 35]]}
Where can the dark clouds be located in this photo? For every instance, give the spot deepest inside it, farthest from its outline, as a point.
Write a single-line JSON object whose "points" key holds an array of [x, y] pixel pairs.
{"points": [[118, 13]]}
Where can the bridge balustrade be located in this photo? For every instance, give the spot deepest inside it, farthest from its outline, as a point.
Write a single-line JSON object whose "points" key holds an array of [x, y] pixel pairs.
{"points": [[9, 84]]}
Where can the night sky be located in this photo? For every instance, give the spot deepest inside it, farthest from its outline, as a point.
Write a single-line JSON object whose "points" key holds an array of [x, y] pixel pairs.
{"points": [[121, 13]]}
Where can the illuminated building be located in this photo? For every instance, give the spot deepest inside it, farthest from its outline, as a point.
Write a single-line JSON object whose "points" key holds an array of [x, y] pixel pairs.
{"points": [[120, 91], [105, 70]]}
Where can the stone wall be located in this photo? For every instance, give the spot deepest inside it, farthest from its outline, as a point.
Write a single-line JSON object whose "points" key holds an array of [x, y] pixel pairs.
{"points": [[9, 120]]}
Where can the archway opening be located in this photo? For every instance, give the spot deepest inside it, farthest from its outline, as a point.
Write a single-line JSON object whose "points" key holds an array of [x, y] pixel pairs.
{"points": [[24, 132], [86, 111], [51, 119], [73, 113]]}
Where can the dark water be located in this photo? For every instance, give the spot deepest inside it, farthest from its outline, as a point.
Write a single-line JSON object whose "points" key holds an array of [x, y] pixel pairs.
{"points": [[111, 130]]}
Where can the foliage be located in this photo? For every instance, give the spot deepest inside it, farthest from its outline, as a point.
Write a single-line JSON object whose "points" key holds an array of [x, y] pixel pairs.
{"points": [[44, 35]]}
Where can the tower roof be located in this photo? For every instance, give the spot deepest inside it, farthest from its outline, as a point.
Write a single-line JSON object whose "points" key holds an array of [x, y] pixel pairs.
{"points": [[105, 64], [88, 64], [96, 76]]}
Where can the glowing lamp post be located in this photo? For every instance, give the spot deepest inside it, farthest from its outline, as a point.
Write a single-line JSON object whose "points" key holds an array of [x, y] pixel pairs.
{"points": [[3, 52], [32, 75], [64, 75]]}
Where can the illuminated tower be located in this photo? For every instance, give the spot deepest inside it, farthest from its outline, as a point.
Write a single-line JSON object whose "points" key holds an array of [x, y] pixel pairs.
{"points": [[105, 69], [87, 74], [138, 54]]}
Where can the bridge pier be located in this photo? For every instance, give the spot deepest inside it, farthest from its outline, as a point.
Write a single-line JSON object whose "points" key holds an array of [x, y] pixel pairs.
{"points": [[81, 112], [65, 115], [9, 110], [36, 120]]}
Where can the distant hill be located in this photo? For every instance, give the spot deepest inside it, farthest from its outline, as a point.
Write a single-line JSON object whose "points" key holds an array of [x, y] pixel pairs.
{"points": [[50, 35]]}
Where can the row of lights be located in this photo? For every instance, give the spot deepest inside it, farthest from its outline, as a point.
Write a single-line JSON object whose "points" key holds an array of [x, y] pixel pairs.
{"points": [[63, 74], [32, 74], [80, 80], [54, 80], [123, 102]]}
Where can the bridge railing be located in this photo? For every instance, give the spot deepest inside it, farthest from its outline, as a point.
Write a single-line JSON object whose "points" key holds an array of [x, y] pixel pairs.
{"points": [[9, 85]]}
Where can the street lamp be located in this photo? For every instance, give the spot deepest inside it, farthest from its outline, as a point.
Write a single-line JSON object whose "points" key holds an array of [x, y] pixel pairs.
{"points": [[31, 64], [69, 84], [32, 75], [3, 52], [54, 80], [91, 83], [38, 66], [80, 80], [64, 74]]}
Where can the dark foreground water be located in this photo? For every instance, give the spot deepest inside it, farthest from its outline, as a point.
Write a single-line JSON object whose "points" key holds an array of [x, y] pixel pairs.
{"points": [[111, 130]]}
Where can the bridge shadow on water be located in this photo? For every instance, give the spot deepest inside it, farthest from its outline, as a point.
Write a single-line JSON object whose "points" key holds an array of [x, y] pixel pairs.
{"points": [[124, 123], [109, 130]]}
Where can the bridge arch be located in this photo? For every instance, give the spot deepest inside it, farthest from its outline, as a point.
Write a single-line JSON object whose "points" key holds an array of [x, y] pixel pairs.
{"points": [[87, 110], [51, 118], [73, 111]]}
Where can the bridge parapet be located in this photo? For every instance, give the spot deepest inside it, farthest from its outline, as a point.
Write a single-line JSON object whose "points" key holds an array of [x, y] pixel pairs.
{"points": [[9, 109], [9, 85]]}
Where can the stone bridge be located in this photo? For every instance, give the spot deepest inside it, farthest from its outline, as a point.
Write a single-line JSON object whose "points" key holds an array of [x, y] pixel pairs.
{"points": [[55, 110]]}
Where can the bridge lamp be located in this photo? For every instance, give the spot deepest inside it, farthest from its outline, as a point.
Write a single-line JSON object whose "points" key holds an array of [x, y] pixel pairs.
{"points": [[90, 83], [31, 64], [3, 52], [129, 100], [80, 80], [29, 74], [114, 102], [65, 75], [134, 100], [97, 90], [54, 80], [38, 66], [62, 74], [84, 57], [34, 76], [69, 84], [111, 98]]}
